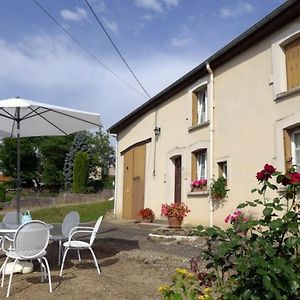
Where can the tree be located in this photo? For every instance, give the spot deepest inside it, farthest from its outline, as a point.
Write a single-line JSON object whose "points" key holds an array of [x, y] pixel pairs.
{"points": [[29, 158], [101, 154], [53, 152], [80, 172], [99, 151], [80, 144]]}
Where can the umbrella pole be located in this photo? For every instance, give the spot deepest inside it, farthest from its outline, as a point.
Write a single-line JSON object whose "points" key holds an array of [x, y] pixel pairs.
{"points": [[18, 166]]}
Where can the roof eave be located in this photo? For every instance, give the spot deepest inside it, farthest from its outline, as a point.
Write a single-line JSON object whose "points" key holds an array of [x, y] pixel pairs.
{"points": [[283, 14]]}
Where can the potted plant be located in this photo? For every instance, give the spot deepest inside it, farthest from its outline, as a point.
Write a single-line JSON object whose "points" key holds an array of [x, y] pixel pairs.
{"points": [[199, 185], [175, 213], [218, 189], [147, 214]]}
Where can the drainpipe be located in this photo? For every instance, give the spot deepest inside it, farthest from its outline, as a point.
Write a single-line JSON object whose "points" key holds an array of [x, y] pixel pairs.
{"points": [[211, 139], [116, 175]]}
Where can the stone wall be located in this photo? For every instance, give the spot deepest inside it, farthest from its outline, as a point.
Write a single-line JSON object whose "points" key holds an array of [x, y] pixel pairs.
{"points": [[61, 199]]}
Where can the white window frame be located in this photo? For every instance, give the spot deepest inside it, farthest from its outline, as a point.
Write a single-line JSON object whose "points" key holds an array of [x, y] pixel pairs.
{"points": [[294, 148], [202, 164], [202, 105]]}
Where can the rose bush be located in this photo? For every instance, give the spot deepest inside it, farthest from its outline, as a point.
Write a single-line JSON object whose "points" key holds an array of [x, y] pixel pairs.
{"points": [[265, 264]]}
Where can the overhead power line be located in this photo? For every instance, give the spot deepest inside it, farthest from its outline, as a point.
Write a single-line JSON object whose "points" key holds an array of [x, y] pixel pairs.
{"points": [[85, 49], [116, 48]]}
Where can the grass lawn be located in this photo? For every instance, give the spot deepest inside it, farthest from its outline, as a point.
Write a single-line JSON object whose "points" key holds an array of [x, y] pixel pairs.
{"points": [[88, 212]]}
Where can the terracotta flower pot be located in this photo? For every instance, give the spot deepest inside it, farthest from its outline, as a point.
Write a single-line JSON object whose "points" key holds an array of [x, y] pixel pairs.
{"points": [[175, 222], [147, 220]]}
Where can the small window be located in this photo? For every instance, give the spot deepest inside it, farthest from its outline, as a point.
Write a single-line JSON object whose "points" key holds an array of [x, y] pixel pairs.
{"points": [[295, 143], [292, 59], [199, 164], [292, 148], [223, 170], [199, 106]]}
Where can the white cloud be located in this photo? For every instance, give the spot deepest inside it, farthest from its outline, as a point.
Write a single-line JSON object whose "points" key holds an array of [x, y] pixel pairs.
{"points": [[183, 39], [111, 25], [149, 4], [148, 17], [180, 42], [171, 2], [77, 15], [50, 69], [242, 8]]}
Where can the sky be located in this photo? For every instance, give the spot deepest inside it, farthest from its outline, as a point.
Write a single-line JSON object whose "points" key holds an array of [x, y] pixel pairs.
{"points": [[161, 40]]}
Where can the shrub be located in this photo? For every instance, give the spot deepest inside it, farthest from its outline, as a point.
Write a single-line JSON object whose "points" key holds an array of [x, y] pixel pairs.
{"points": [[80, 173], [266, 262]]}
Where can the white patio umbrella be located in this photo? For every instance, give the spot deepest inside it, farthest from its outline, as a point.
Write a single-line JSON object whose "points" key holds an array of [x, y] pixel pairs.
{"points": [[24, 118]]}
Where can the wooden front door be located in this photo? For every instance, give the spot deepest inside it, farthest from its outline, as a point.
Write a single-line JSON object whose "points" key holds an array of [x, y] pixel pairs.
{"points": [[134, 181], [177, 191]]}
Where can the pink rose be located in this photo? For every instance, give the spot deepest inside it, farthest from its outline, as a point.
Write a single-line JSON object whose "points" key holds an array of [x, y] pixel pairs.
{"points": [[227, 219]]}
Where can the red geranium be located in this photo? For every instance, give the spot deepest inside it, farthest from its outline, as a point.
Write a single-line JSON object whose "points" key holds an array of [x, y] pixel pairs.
{"points": [[146, 213]]}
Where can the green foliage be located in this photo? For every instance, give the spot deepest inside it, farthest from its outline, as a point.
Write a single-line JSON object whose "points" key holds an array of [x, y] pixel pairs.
{"points": [[80, 172], [102, 154], [218, 188], [2, 193], [264, 264], [184, 286], [80, 144], [53, 152], [29, 158]]}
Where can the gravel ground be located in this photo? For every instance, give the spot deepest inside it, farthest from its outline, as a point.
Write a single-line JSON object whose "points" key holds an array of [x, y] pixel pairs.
{"points": [[132, 267]]}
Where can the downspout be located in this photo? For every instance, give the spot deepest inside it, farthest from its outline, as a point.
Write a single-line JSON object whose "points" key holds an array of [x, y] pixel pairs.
{"points": [[116, 175], [211, 139]]}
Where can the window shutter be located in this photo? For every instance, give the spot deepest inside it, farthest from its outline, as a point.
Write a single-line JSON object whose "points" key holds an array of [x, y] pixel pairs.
{"points": [[194, 167], [194, 108], [287, 149], [292, 57]]}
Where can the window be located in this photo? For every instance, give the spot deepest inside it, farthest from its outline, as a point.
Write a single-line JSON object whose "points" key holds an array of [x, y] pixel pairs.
{"points": [[295, 143], [223, 171], [292, 148], [199, 164], [292, 59], [199, 106]]}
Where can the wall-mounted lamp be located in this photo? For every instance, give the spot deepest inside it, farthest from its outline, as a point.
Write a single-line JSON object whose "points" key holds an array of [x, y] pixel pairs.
{"points": [[157, 131]]}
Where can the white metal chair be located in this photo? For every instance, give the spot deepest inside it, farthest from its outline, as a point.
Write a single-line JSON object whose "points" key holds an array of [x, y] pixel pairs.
{"points": [[30, 242], [71, 220], [10, 219], [77, 244]]}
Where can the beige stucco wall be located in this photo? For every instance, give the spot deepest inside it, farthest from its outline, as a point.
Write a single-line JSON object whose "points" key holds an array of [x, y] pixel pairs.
{"points": [[248, 123]]}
